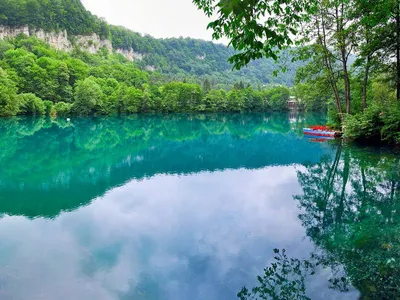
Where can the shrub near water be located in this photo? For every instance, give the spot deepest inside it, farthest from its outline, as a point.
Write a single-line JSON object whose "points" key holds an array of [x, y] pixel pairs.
{"points": [[377, 123], [391, 129], [48, 105], [61, 109], [31, 105], [363, 126], [380, 122]]}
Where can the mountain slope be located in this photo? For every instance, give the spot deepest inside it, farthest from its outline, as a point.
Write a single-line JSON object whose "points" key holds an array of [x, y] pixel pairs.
{"points": [[52, 15], [178, 58]]}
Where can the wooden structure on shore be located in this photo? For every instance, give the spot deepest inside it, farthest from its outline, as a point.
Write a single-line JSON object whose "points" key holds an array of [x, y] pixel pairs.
{"points": [[293, 104]]}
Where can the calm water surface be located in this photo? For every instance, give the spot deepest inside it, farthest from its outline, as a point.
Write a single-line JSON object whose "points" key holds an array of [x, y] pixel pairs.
{"points": [[194, 207]]}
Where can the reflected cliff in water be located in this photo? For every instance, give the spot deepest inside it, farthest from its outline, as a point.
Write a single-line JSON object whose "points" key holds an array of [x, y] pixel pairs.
{"points": [[350, 209], [49, 166]]}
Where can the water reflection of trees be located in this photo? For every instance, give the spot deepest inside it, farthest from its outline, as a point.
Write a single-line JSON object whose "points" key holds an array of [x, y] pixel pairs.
{"points": [[51, 146], [284, 279], [74, 162], [350, 209]]}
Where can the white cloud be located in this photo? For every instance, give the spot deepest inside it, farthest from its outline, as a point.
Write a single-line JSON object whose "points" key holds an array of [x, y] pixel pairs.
{"points": [[199, 236], [159, 18]]}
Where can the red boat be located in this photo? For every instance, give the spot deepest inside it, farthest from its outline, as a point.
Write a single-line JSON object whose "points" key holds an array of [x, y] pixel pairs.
{"points": [[320, 132]]}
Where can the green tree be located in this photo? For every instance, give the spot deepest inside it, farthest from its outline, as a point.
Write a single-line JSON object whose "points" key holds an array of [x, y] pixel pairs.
{"points": [[88, 97], [329, 32], [179, 96], [249, 32], [131, 100], [235, 101], [9, 102], [61, 109], [110, 85], [78, 70], [65, 91], [4, 47], [206, 86], [31, 105], [277, 98]]}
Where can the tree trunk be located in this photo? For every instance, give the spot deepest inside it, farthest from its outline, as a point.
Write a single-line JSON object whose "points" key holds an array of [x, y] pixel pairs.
{"points": [[346, 172], [337, 99], [346, 81], [342, 47], [398, 51], [328, 65], [365, 84], [366, 71], [330, 181]]}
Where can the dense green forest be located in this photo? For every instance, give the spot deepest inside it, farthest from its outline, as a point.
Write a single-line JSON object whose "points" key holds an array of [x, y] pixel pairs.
{"points": [[52, 15], [179, 58], [35, 79], [176, 58], [363, 98]]}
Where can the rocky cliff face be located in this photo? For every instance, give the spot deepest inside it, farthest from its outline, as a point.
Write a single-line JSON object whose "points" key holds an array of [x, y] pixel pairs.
{"points": [[130, 55], [59, 40], [91, 43], [6, 31]]}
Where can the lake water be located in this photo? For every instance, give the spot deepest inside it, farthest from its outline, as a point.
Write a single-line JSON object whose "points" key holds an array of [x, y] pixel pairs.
{"points": [[194, 207]]}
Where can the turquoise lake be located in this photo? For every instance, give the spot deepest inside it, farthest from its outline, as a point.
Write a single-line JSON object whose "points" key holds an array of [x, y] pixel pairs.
{"points": [[194, 207]]}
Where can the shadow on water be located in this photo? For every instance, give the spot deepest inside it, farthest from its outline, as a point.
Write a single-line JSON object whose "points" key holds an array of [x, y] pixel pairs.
{"points": [[50, 166], [350, 209]]}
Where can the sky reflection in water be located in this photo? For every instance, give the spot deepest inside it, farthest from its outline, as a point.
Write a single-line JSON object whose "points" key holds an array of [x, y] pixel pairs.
{"points": [[197, 233]]}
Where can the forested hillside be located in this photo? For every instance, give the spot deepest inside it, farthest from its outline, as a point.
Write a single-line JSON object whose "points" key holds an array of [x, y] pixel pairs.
{"points": [[363, 98], [176, 58], [180, 57], [35, 79], [52, 15]]}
